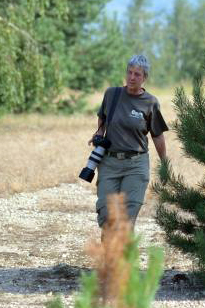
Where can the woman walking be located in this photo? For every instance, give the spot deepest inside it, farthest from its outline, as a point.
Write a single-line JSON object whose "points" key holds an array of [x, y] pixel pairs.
{"points": [[125, 166]]}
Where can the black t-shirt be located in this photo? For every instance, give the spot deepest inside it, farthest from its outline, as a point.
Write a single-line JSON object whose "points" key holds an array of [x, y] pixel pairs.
{"points": [[134, 117]]}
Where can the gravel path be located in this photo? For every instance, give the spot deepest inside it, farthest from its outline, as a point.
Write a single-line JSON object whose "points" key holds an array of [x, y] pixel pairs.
{"points": [[43, 235]]}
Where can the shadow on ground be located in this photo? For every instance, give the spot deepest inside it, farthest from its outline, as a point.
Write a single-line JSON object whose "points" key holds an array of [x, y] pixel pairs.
{"points": [[174, 285], [60, 279], [180, 286]]}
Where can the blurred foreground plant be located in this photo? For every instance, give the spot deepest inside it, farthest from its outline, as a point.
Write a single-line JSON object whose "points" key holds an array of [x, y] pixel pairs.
{"points": [[55, 303], [118, 281]]}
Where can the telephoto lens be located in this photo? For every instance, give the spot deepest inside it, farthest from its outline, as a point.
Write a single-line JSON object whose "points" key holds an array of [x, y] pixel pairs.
{"points": [[101, 144]]}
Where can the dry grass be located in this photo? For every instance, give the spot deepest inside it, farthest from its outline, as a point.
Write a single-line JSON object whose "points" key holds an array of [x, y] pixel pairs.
{"points": [[53, 205], [112, 268], [38, 152], [44, 151], [49, 230]]}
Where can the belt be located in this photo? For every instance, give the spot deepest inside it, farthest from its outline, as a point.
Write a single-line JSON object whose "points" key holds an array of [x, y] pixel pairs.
{"points": [[124, 155]]}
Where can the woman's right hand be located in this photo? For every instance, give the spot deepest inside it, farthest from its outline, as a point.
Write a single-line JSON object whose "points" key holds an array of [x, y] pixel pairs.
{"points": [[90, 141], [100, 131]]}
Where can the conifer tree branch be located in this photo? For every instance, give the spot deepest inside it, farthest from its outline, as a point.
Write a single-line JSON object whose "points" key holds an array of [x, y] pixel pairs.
{"points": [[187, 245], [171, 220], [198, 94], [176, 191], [191, 119]]}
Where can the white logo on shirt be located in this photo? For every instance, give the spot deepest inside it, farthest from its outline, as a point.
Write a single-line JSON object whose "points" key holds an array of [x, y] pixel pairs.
{"points": [[136, 114]]}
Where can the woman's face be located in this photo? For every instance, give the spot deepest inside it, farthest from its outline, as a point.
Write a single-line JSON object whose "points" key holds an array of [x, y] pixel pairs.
{"points": [[135, 77]]}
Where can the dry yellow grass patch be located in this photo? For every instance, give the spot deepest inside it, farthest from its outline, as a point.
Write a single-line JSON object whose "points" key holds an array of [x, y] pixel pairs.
{"points": [[65, 206], [38, 152], [44, 151], [22, 234]]}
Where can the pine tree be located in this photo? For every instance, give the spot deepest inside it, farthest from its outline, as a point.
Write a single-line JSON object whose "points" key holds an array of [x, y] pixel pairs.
{"points": [[22, 69], [184, 223], [142, 31], [43, 49]]}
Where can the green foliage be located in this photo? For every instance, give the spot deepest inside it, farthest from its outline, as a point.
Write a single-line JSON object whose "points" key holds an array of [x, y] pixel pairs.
{"points": [[191, 118], [143, 35], [39, 40], [47, 45], [142, 286], [71, 105], [100, 58], [174, 41], [184, 224], [89, 293], [11, 86], [55, 303], [21, 71]]}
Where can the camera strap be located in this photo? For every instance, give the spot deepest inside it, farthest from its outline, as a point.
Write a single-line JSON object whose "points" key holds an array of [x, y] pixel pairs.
{"points": [[112, 109], [114, 104]]}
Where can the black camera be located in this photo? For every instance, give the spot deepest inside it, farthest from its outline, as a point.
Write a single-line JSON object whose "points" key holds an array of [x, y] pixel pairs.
{"points": [[101, 144], [99, 140]]}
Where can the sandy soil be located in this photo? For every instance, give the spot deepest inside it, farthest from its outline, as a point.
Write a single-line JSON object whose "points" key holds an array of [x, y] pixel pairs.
{"points": [[43, 235]]}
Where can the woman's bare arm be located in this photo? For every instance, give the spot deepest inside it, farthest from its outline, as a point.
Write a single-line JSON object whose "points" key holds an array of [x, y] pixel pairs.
{"points": [[160, 146]]}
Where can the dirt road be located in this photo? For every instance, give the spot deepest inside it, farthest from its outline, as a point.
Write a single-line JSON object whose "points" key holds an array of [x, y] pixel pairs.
{"points": [[42, 238]]}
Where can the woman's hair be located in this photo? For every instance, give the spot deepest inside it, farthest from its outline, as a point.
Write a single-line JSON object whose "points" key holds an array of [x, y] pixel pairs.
{"points": [[139, 60]]}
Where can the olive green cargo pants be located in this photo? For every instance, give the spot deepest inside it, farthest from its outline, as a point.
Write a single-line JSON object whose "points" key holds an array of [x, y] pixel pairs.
{"points": [[130, 176]]}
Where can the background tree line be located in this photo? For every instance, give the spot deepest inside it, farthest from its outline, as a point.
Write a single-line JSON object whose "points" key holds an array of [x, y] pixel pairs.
{"points": [[50, 44]]}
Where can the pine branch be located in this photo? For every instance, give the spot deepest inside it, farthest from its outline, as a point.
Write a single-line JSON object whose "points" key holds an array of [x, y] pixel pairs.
{"points": [[171, 220], [198, 94], [202, 185], [176, 191], [89, 293], [187, 245], [55, 303], [200, 243], [181, 103], [192, 136], [141, 287], [200, 211], [191, 120]]}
